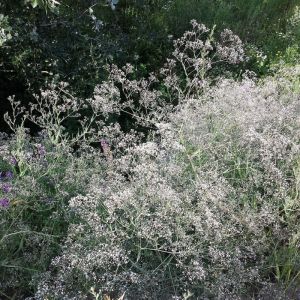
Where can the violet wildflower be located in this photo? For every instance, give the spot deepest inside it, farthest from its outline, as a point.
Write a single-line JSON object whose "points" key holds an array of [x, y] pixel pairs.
{"points": [[106, 149], [6, 188], [104, 144], [13, 161], [4, 202], [9, 175], [41, 151]]}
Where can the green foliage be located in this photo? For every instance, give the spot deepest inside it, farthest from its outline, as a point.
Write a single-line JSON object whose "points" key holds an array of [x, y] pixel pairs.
{"points": [[46, 4], [261, 24], [5, 30], [72, 41]]}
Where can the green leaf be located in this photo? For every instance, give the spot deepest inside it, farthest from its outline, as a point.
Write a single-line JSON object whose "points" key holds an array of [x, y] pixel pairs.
{"points": [[34, 3]]}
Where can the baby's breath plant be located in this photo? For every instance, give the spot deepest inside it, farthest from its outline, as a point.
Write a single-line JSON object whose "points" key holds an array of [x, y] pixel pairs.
{"points": [[197, 209], [44, 172], [185, 74], [202, 207]]}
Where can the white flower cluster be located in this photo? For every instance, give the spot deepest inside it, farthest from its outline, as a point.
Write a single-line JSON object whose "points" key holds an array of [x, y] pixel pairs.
{"points": [[196, 218]]}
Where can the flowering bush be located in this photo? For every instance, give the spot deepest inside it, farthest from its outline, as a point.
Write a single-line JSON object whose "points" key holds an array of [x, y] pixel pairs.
{"points": [[201, 207], [196, 209]]}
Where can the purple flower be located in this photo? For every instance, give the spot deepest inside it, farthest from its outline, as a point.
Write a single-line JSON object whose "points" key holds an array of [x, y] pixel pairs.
{"points": [[104, 144], [4, 202], [6, 188], [106, 149], [13, 161], [41, 151], [9, 175]]}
